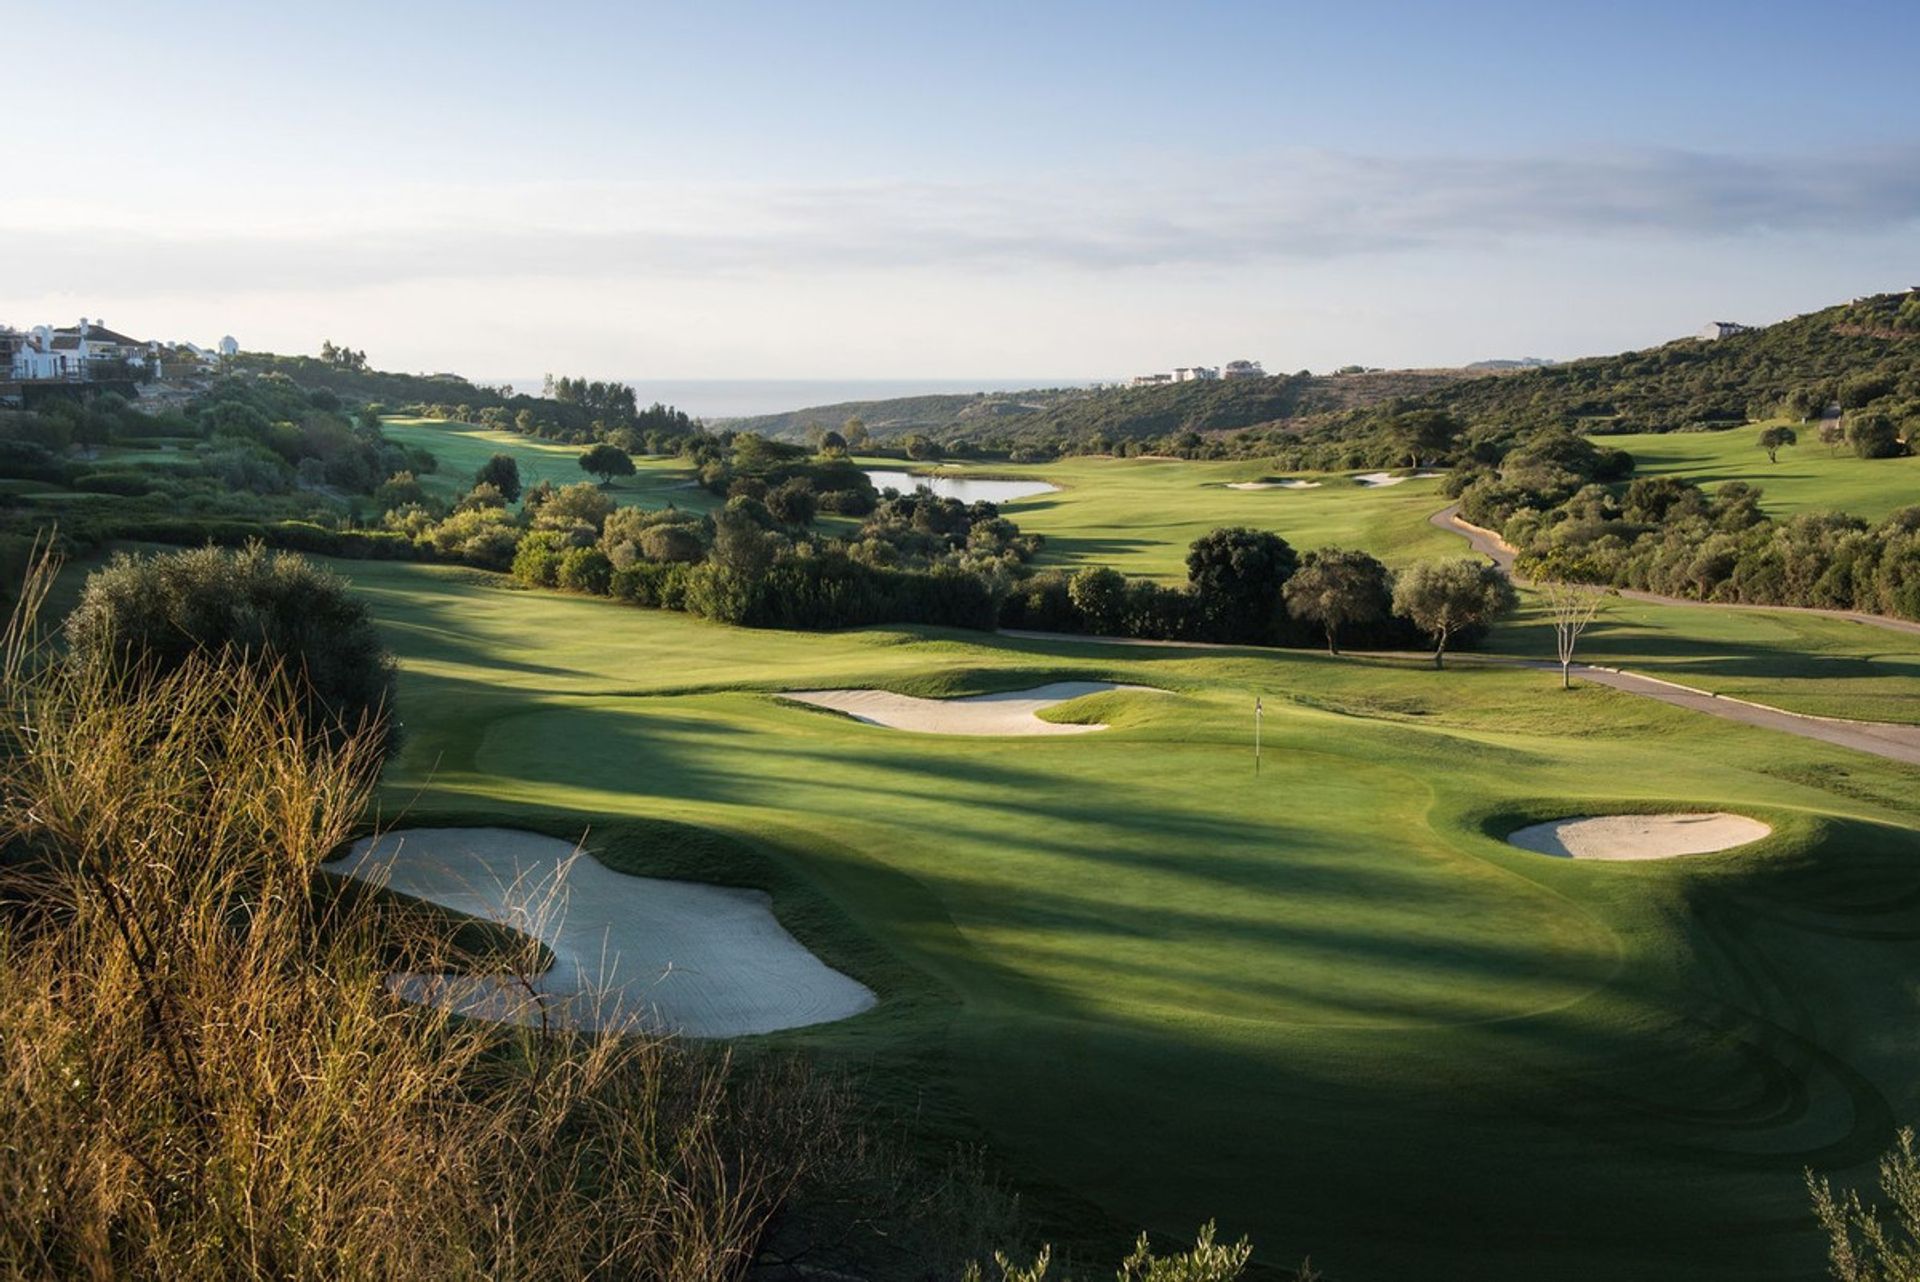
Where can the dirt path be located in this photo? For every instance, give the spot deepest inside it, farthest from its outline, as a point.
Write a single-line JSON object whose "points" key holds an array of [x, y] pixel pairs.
{"points": [[1495, 549]]}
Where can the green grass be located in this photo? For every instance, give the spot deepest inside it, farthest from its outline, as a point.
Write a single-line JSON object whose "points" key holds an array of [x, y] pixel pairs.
{"points": [[1140, 515], [463, 447], [1807, 478], [1800, 662], [1325, 1004]]}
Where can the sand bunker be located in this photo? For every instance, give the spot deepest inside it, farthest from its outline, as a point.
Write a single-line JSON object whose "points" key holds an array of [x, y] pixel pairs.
{"points": [[1639, 836], [1273, 485], [1388, 478], [630, 953], [1009, 713]]}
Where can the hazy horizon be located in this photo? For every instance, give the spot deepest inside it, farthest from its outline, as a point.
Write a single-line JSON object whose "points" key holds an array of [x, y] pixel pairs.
{"points": [[872, 191]]}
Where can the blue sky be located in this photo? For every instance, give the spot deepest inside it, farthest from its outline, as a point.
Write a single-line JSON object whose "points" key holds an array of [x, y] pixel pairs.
{"points": [[945, 190]]}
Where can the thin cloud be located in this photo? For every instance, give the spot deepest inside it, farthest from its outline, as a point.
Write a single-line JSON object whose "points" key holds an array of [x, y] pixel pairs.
{"points": [[1306, 206]]}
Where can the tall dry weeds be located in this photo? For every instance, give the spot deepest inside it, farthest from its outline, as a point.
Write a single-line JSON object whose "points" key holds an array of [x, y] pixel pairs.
{"points": [[203, 1074]]}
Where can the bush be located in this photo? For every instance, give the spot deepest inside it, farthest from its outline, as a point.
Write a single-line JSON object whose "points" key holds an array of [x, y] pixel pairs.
{"points": [[585, 570], [142, 618]]}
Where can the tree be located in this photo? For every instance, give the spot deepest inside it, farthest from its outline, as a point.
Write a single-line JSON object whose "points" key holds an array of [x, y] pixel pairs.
{"points": [[1335, 587], [1833, 433], [833, 444], [793, 502], [1238, 573], [581, 506], [855, 432], [1573, 594], [1100, 595], [1873, 435], [398, 491], [1804, 402], [1423, 434], [1444, 597], [1774, 439], [144, 617], [922, 448], [502, 472], [606, 462]]}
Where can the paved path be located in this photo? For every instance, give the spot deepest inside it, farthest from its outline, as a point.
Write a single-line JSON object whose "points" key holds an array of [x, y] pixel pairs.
{"points": [[1495, 549], [1877, 738]]}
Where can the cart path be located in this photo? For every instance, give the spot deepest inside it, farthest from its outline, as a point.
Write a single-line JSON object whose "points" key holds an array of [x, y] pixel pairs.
{"points": [[1877, 738]]}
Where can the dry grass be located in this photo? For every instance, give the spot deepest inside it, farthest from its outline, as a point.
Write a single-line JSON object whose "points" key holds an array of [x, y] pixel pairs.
{"points": [[203, 1074]]}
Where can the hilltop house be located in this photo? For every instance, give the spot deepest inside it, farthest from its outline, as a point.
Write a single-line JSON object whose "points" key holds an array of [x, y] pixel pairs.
{"points": [[1243, 369], [1723, 329], [89, 350]]}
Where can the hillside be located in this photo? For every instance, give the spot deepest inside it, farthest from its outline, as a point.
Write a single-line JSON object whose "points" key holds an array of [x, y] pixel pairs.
{"points": [[1861, 354], [1058, 416]]}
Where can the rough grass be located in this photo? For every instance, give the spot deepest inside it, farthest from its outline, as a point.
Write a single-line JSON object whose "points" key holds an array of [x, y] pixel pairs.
{"points": [[1323, 1004], [203, 1075]]}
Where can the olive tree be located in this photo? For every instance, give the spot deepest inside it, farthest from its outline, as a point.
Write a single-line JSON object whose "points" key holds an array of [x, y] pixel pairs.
{"points": [[1334, 587], [606, 462], [1572, 605], [1774, 439], [1442, 598]]}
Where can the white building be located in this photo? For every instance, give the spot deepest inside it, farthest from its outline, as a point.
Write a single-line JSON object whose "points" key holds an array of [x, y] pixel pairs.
{"points": [[1723, 329], [229, 346], [1243, 369], [1196, 374]]}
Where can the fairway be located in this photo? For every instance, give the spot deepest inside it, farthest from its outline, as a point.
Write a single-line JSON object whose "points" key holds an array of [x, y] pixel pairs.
{"points": [[1139, 516], [463, 447], [1808, 477], [1328, 1003]]}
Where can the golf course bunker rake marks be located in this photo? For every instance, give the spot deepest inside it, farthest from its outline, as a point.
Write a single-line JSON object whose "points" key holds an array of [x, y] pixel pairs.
{"points": [[1010, 712], [630, 954], [1649, 836]]}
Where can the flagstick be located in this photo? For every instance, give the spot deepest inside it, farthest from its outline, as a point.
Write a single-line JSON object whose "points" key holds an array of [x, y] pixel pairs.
{"points": [[1256, 737]]}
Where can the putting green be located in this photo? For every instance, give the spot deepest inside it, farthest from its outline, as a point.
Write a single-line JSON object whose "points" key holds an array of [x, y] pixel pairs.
{"points": [[1328, 1003]]}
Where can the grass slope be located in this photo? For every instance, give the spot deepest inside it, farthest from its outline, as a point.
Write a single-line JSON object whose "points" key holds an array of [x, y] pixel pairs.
{"points": [[1808, 477], [463, 447], [1326, 1004]]}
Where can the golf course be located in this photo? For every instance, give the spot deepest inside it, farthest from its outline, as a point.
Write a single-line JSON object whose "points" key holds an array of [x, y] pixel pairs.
{"points": [[1325, 1002]]}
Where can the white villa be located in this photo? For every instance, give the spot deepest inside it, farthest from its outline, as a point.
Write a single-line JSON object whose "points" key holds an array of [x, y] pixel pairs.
{"points": [[1201, 374], [90, 350]]}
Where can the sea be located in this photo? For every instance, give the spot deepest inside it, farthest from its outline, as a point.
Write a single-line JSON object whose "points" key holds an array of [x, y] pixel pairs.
{"points": [[719, 398]]}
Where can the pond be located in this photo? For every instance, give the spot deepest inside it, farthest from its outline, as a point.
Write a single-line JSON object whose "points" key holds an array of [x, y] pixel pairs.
{"points": [[968, 489]]}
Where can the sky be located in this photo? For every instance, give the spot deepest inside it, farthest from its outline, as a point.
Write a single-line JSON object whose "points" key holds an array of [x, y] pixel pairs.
{"points": [[950, 190]]}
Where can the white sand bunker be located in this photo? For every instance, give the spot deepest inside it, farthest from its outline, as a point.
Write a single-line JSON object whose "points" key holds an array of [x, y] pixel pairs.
{"points": [[1388, 478], [630, 953], [1273, 485], [1639, 836], [1009, 713]]}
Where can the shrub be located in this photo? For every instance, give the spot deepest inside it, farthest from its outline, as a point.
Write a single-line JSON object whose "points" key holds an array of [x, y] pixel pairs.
{"points": [[142, 618], [584, 570]]}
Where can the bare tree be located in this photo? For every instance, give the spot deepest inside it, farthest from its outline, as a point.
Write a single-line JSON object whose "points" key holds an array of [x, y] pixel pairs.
{"points": [[1573, 606]]}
